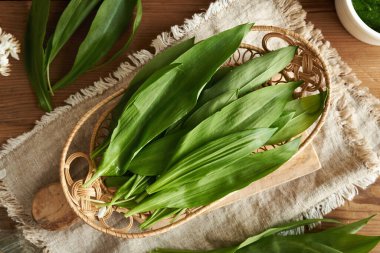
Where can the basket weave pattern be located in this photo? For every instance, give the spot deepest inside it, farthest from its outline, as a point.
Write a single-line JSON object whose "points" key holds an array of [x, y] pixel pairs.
{"points": [[307, 65]]}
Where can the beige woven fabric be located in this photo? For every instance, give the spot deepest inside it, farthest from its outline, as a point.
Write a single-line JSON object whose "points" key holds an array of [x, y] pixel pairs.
{"points": [[348, 147]]}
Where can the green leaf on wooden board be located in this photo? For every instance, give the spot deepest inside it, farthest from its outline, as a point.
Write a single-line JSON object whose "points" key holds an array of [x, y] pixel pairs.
{"points": [[71, 18], [111, 20]]}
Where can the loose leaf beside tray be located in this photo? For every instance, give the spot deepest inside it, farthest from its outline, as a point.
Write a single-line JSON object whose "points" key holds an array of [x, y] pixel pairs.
{"points": [[111, 20], [35, 54], [338, 239]]}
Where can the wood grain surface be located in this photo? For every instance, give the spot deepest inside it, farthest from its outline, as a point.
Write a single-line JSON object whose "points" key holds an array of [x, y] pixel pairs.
{"points": [[18, 110]]}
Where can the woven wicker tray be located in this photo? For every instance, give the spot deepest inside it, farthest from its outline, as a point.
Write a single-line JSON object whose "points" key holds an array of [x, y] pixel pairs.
{"points": [[307, 65]]}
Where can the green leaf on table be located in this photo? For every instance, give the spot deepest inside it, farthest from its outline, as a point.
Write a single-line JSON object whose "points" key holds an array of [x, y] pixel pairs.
{"points": [[351, 228], [71, 18], [166, 99], [346, 243], [158, 215], [111, 20], [135, 27], [220, 181], [211, 156], [335, 240], [34, 52], [252, 239]]}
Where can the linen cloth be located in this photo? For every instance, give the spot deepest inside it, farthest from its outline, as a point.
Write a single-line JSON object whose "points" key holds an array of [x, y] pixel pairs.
{"points": [[348, 148]]}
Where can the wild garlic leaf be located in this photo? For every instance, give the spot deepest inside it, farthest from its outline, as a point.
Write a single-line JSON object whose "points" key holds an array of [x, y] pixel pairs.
{"points": [[135, 185], [346, 243], [245, 113], [34, 52], [251, 74], [164, 102], [310, 104], [111, 20], [239, 80], [115, 181], [269, 232], [220, 181], [135, 27], [159, 215], [350, 228], [242, 79], [337, 239], [209, 108], [219, 75], [124, 189], [71, 18], [131, 122], [283, 120], [203, 111], [153, 158], [159, 61], [306, 111], [211, 156]]}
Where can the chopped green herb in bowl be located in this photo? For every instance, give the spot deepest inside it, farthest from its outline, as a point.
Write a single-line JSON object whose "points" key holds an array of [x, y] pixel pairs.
{"points": [[369, 12]]}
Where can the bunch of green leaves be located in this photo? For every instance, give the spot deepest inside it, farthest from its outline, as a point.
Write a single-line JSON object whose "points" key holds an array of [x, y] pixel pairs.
{"points": [[183, 136], [164, 98], [111, 20], [342, 239]]}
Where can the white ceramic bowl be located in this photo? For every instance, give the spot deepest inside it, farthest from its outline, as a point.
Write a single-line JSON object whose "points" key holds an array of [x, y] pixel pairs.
{"points": [[353, 23]]}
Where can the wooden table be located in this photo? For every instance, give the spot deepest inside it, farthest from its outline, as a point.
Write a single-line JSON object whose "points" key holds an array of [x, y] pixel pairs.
{"points": [[18, 110]]}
